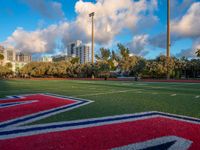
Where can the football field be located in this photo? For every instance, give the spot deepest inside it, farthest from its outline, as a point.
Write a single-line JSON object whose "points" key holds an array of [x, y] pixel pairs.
{"points": [[113, 97], [98, 103]]}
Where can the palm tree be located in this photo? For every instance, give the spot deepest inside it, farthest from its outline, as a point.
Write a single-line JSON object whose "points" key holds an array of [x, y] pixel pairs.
{"points": [[75, 60], [1, 58], [198, 52], [9, 65], [104, 55], [123, 51]]}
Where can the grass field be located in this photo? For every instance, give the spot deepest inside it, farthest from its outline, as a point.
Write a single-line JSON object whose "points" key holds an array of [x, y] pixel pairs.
{"points": [[113, 97]]}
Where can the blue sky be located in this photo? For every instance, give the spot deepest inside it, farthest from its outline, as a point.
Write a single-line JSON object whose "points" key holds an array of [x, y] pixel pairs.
{"points": [[46, 26]]}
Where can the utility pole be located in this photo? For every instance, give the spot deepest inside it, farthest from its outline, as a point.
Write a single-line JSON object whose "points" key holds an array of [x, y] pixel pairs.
{"points": [[92, 16], [168, 38]]}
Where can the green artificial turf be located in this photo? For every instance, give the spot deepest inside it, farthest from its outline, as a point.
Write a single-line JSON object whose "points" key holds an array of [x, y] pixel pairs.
{"points": [[113, 97]]}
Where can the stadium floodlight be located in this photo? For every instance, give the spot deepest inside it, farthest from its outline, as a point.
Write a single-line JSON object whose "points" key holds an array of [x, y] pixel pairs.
{"points": [[168, 38], [92, 16]]}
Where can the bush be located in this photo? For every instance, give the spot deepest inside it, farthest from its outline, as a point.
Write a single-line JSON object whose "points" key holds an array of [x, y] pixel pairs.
{"points": [[5, 72]]}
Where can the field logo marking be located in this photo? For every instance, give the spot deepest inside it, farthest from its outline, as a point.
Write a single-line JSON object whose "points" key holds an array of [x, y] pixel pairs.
{"points": [[28, 118], [11, 97], [166, 142], [10, 104], [136, 123], [85, 123]]}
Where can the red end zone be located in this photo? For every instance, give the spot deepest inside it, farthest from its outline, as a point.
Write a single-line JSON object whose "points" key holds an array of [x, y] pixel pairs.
{"points": [[147, 132], [38, 103], [22, 110]]}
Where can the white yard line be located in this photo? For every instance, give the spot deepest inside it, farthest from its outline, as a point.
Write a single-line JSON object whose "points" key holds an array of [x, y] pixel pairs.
{"points": [[154, 93], [104, 93], [141, 84]]}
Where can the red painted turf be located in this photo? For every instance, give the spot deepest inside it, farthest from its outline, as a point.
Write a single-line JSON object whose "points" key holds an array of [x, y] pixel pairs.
{"points": [[121, 79], [171, 80], [107, 136], [44, 103]]}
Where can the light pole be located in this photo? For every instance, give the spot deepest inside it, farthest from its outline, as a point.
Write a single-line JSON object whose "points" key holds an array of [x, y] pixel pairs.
{"points": [[168, 38], [92, 16]]}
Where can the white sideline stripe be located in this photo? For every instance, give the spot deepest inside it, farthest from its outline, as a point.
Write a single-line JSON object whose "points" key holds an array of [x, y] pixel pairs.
{"points": [[77, 100], [173, 94], [29, 133]]}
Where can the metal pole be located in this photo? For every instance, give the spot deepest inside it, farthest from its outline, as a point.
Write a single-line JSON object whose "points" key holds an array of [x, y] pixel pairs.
{"points": [[92, 15], [93, 39], [168, 38]]}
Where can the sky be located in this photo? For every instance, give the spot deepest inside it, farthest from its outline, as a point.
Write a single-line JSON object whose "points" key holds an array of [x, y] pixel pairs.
{"points": [[45, 27]]}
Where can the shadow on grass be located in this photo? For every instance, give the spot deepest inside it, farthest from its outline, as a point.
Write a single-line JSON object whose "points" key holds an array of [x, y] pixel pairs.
{"points": [[4, 88]]}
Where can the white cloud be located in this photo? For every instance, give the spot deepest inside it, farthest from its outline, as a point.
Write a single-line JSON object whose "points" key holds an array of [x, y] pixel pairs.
{"points": [[196, 44], [188, 25], [111, 17], [190, 53], [183, 6], [138, 44], [36, 41], [160, 40]]}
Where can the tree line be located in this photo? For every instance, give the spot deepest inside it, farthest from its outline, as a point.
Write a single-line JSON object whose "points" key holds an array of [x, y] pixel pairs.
{"points": [[112, 64], [5, 70]]}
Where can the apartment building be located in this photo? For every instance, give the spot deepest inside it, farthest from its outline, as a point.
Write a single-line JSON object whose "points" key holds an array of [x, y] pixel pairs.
{"points": [[23, 57], [77, 49], [71, 46], [17, 59]]}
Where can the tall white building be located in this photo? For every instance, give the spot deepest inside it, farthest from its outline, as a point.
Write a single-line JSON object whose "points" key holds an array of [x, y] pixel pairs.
{"points": [[71, 46], [83, 52], [23, 57], [9, 56], [77, 49], [18, 60], [2, 52]]}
